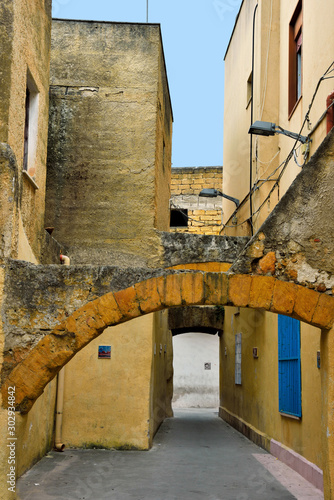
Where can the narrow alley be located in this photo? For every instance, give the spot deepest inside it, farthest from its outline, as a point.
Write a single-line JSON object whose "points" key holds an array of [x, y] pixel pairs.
{"points": [[195, 455]]}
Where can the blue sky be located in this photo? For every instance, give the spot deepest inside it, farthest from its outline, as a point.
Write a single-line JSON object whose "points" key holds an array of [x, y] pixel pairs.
{"points": [[195, 36]]}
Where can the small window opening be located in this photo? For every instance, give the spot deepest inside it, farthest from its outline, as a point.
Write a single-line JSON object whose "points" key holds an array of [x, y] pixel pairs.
{"points": [[179, 218], [30, 126], [295, 57], [163, 155], [249, 89], [330, 112]]}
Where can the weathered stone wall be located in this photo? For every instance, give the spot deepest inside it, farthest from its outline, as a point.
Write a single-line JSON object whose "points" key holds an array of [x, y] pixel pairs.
{"points": [[163, 153], [109, 116], [24, 58], [6, 43], [196, 319], [296, 242], [204, 214], [183, 248], [25, 43], [36, 297], [162, 373]]}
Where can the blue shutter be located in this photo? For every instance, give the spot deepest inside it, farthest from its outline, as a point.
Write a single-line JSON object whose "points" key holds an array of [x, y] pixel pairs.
{"points": [[290, 397]]}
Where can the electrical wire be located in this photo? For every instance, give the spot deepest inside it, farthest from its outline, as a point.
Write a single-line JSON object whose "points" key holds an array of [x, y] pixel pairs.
{"points": [[285, 163], [267, 162], [296, 160]]}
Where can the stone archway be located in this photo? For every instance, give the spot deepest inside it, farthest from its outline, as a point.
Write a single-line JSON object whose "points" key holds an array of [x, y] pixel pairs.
{"points": [[173, 289]]}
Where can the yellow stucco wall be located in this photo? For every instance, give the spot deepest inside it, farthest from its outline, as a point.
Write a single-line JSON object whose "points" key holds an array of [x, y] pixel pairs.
{"points": [[256, 400], [107, 401], [34, 431]]}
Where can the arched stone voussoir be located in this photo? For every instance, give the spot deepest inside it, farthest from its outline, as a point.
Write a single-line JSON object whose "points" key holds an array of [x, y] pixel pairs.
{"points": [[171, 289]]}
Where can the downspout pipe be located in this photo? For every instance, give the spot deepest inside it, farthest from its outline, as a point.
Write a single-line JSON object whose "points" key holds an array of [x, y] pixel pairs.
{"points": [[251, 137], [59, 445]]}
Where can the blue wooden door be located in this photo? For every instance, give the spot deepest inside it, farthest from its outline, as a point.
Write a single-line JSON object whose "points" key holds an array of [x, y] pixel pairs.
{"points": [[289, 370]]}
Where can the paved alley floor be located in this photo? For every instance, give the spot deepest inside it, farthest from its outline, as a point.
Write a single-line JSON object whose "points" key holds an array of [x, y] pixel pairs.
{"points": [[196, 455]]}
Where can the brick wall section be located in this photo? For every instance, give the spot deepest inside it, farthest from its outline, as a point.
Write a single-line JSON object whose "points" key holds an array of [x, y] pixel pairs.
{"points": [[204, 214]]}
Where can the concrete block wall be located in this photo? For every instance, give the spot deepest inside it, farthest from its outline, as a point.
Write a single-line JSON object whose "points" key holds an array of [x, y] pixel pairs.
{"points": [[204, 214]]}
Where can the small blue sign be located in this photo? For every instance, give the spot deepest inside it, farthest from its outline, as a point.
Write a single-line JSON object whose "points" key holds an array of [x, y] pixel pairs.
{"points": [[105, 351]]}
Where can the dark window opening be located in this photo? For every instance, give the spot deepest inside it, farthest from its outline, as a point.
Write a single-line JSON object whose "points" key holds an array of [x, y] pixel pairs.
{"points": [[330, 112], [295, 57], [26, 131], [163, 155], [179, 218], [249, 89]]}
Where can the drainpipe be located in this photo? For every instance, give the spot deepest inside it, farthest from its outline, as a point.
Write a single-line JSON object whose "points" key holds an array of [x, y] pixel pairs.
{"points": [[251, 136], [59, 445]]}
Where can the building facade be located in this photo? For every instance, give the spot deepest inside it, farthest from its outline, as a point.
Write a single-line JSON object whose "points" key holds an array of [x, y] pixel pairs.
{"points": [[275, 71]]}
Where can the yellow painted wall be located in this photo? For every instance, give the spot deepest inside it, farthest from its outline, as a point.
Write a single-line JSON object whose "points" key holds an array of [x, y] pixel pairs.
{"points": [[35, 430], [107, 401], [256, 400]]}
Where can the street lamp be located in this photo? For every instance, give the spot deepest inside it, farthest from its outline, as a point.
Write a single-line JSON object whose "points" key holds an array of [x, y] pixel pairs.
{"points": [[213, 193], [268, 128]]}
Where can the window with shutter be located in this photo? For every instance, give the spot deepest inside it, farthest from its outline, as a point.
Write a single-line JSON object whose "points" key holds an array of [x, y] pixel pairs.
{"points": [[289, 367]]}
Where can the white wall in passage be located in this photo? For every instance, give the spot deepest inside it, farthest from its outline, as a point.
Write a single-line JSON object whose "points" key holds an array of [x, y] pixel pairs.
{"points": [[196, 370]]}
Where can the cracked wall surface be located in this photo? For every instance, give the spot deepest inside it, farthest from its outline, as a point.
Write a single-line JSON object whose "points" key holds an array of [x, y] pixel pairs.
{"points": [[296, 241]]}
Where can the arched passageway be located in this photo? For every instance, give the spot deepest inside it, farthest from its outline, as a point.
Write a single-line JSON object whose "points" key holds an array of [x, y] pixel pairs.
{"points": [[170, 290]]}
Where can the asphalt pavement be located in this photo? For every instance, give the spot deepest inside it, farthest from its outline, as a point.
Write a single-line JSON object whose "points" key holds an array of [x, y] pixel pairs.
{"points": [[195, 455]]}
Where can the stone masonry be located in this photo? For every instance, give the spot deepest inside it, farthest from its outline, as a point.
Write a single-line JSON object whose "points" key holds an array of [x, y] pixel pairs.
{"points": [[204, 214]]}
